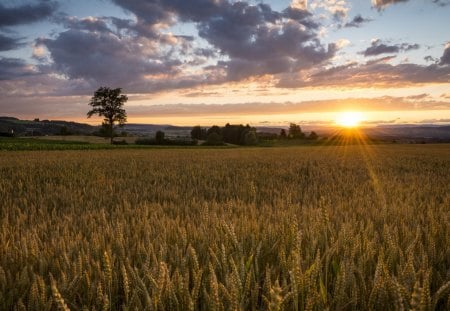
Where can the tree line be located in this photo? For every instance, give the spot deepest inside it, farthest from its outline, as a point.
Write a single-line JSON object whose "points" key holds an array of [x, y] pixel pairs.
{"points": [[245, 135], [108, 103]]}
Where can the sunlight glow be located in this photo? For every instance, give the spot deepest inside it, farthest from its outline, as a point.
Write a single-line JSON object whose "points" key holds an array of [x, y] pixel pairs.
{"points": [[349, 119]]}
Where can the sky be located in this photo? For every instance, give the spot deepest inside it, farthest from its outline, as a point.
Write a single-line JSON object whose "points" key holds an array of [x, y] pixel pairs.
{"points": [[263, 62]]}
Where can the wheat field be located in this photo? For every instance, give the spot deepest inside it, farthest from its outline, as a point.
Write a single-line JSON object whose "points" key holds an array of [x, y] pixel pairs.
{"points": [[308, 228]]}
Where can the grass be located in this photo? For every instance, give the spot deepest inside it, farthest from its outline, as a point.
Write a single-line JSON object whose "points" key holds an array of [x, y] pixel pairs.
{"points": [[59, 143], [308, 228], [11, 144], [51, 143]]}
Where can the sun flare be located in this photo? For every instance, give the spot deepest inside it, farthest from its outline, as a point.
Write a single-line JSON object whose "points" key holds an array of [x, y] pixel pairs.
{"points": [[349, 119]]}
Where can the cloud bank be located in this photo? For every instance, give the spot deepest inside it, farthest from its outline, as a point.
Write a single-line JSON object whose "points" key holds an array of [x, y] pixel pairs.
{"points": [[228, 42]]}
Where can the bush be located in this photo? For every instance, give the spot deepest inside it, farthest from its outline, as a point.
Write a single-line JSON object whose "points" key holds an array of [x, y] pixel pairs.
{"points": [[159, 137], [213, 139], [250, 138]]}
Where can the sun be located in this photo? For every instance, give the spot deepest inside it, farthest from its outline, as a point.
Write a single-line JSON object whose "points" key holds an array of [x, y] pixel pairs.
{"points": [[349, 119]]}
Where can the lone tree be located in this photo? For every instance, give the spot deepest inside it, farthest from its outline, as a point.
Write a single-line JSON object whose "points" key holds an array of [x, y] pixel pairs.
{"points": [[108, 103]]}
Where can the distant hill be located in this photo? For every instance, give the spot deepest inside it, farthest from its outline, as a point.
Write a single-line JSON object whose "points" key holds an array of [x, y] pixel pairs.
{"points": [[425, 133], [58, 127], [43, 127]]}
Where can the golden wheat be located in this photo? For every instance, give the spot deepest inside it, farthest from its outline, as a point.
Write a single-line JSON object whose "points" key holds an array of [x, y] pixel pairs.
{"points": [[308, 228]]}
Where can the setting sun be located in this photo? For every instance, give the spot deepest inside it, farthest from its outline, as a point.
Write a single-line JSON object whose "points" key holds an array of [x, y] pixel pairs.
{"points": [[349, 119]]}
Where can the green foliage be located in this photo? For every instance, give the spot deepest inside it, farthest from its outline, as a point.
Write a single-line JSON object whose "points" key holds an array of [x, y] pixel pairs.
{"points": [[295, 131], [231, 134], [198, 133], [313, 135], [320, 228], [214, 129], [12, 144], [159, 137], [108, 103], [213, 139], [15, 144], [250, 138]]}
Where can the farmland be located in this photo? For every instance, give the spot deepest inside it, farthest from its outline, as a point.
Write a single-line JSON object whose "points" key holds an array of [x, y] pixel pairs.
{"points": [[299, 228]]}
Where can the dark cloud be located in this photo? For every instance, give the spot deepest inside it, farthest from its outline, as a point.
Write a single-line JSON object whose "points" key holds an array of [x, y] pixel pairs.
{"points": [[103, 58], [377, 48], [357, 21], [256, 39], [165, 11], [430, 58], [9, 43], [12, 68], [26, 14], [141, 56], [445, 59]]}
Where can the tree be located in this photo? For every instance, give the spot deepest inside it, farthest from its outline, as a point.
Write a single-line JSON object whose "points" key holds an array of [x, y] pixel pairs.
{"points": [[159, 137], [283, 134], [250, 138], [214, 139], [215, 129], [313, 135], [295, 131], [198, 132], [108, 103]]}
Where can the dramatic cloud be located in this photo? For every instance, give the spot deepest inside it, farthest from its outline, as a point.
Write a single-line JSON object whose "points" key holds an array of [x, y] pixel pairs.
{"points": [[103, 57], [445, 59], [225, 43], [25, 14], [241, 41], [256, 39], [357, 21], [8, 43], [378, 48]]}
